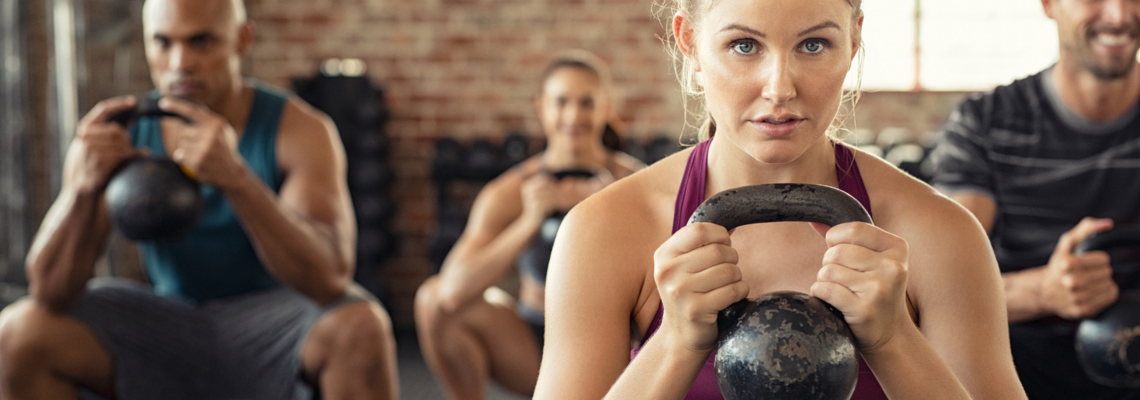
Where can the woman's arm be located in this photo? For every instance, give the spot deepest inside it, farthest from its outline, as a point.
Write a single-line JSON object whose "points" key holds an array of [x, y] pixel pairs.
{"points": [[956, 287], [599, 271], [498, 230]]}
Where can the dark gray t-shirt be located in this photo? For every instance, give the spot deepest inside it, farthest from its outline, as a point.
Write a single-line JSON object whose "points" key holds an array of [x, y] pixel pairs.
{"points": [[1043, 165]]}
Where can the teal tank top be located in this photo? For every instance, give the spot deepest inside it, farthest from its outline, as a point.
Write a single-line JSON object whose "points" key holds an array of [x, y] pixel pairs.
{"points": [[217, 259]]}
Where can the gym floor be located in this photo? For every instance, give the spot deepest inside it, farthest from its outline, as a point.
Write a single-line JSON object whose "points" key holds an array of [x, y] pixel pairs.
{"points": [[416, 381]]}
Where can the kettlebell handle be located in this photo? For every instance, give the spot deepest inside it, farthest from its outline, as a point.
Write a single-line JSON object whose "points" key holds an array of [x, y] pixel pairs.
{"points": [[571, 173], [145, 106], [780, 202], [1110, 239]]}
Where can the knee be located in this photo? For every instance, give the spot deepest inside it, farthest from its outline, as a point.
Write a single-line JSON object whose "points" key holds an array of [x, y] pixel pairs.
{"points": [[427, 304], [363, 327], [21, 334]]}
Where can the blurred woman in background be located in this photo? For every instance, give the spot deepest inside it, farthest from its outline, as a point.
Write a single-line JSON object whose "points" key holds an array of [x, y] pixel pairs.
{"points": [[469, 329]]}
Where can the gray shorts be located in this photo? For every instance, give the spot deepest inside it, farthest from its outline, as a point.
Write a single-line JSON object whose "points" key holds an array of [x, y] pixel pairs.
{"points": [[241, 347]]}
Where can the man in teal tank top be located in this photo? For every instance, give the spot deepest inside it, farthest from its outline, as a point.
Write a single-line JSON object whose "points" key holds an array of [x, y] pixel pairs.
{"points": [[258, 301]]}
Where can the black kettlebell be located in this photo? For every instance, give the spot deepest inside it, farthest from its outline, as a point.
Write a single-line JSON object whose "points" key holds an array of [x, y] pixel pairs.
{"points": [[535, 258], [783, 345], [151, 198], [1107, 345]]}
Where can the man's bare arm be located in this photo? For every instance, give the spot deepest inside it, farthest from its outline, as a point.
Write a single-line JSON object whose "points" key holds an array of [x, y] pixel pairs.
{"points": [[75, 230]]}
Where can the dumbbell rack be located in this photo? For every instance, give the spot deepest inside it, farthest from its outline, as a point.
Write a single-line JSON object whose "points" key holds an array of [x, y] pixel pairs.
{"points": [[358, 109]]}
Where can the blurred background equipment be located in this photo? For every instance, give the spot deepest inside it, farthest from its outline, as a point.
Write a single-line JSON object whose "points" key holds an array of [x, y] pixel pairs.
{"points": [[16, 224], [358, 109], [460, 169]]}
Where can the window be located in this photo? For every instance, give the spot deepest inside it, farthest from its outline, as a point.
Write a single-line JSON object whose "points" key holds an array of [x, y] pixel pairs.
{"points": [[962, 45]]}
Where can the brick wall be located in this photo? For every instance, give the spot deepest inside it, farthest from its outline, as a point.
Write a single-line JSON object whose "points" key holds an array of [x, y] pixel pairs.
{"points": [[462, 68]]}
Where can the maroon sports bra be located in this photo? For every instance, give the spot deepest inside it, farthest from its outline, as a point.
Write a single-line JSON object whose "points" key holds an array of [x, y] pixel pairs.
{"points": [[691, 195]]}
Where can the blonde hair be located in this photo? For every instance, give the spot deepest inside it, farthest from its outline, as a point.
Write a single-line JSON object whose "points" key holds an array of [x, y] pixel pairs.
{"points": [[694, 10]]}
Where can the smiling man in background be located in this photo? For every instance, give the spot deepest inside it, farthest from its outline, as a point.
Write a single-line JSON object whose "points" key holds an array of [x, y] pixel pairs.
{"points": [[1043, 163]]}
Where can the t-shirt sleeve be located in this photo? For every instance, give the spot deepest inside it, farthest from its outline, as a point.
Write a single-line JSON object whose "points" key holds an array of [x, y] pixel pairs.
{"points": [[960, 156]]}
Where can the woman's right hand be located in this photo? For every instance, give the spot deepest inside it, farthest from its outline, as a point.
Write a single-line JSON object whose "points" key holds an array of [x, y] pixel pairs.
{"points": [[697, 276], [102, 145]]}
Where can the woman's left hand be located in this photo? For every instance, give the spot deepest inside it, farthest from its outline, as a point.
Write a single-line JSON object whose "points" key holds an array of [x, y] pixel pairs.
{"points": [[864, 276]]}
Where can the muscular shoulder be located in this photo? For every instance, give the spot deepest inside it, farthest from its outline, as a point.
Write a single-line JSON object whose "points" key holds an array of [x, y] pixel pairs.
{"points": [[305, 133]]}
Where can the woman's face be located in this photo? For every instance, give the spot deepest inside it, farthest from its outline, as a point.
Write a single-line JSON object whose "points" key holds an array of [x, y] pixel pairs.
{"points": [[572, 108], [773, 71]]}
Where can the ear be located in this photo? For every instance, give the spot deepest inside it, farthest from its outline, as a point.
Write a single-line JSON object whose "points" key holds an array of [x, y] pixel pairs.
{"points": [[1047, 5], [855, 41], [683, 32], [245, 37]]}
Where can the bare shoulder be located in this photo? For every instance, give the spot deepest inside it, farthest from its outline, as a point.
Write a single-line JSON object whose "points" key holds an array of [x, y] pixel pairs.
{"points": [[630, 215], [307, 136], [907, 206], [949, 250], [298, 117], [635, 198], [614, 233]]}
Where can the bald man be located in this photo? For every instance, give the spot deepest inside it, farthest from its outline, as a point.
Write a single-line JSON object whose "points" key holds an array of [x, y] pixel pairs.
{"points": [[257, 302]]}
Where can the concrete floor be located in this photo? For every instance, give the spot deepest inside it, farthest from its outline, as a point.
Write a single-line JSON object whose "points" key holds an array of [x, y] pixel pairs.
{"points": [[416, 381]]}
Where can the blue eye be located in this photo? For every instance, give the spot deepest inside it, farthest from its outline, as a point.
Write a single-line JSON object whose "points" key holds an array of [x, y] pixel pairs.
{"points": [[813, 46], [743, 47]]}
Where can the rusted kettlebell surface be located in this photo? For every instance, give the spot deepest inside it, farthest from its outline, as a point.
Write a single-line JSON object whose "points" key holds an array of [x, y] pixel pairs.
{"points": [[1108, 345], [783, 345]]}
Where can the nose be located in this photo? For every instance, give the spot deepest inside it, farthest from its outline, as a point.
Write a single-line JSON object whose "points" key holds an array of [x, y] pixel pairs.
{"points": [[572, 114], [778, 78], [1119, 12], [180, 58], [572, 111]]}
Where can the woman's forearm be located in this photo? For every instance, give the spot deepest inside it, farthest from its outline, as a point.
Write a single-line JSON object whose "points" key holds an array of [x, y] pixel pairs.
{"points": [[467, 273], [907, 367], [661, 370]]}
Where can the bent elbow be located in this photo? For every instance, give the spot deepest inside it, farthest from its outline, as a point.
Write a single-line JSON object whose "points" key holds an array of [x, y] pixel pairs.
{"points": [[55, 301], [449, 301]]}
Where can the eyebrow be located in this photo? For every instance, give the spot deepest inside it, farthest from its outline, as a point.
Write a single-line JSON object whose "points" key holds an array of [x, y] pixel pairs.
{"points": [[192, 36], [823, 25]]}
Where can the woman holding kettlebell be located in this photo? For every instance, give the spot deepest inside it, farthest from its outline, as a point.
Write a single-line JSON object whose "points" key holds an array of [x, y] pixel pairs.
{"points": [[920, 288], [470, 330]]}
